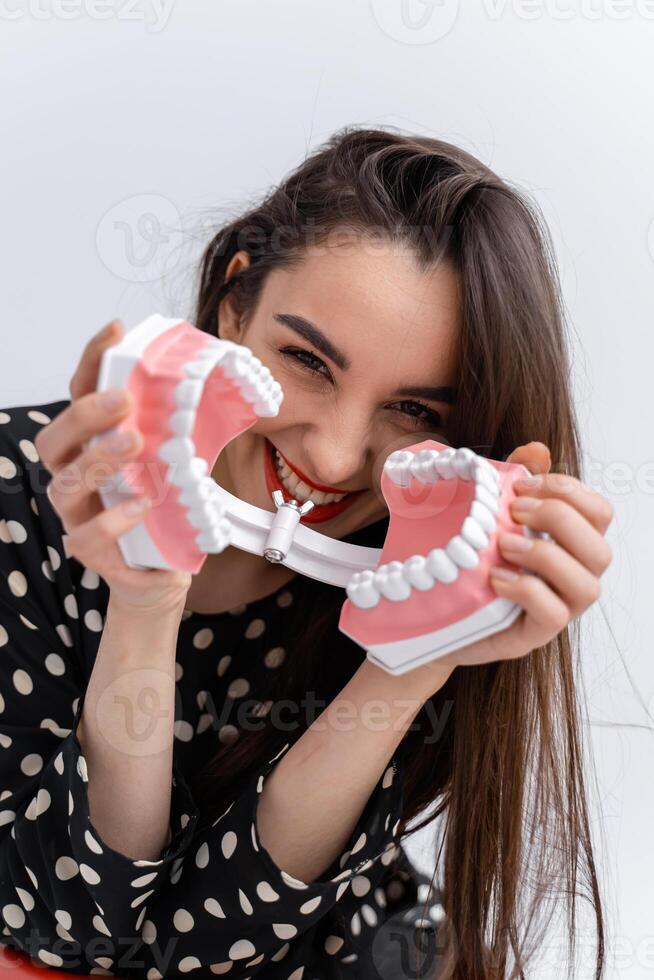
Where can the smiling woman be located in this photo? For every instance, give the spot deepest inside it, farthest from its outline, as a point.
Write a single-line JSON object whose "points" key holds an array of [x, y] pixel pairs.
{"points": [[396, 287], [402, 287]]}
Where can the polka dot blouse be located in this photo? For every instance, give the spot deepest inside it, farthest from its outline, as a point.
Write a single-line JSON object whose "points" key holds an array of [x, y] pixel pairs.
{"points": [[215, 902]]}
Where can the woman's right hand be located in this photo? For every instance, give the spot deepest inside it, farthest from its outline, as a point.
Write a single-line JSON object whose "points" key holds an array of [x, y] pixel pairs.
{"points": [[78, 470]]}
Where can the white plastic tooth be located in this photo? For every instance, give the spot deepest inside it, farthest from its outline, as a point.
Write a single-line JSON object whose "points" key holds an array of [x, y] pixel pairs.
{"points": [[423, 466], [481, 513], [391, 582], [251, 388], [487, 499], [182, 422], [200, 368], [462, 462], [444, 465], [463, 554], [441, 566], [266, 406], [224, 527], [361, 589], [191, 472], [493, 471], [208, 489], [212, 540], [416, 574], [202, 514], [188, 393], [482, 475], [178, 450], [398, 467], [204, 490], [215, 350], [208, 353], [236, 362], [473, 533]]}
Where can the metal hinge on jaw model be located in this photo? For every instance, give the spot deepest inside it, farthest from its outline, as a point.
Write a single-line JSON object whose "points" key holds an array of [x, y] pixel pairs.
{"points": [[287, 518]]}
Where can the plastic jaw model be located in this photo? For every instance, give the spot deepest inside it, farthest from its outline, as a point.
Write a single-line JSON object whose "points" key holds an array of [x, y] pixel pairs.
{"points": [[425, 593]]}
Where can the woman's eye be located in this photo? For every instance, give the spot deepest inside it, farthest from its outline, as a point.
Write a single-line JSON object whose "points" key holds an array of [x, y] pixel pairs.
{"points": [[297, 353], [429, 416]]}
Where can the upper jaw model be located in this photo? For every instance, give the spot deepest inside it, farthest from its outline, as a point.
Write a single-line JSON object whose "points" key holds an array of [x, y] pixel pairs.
{"points": [[424, 594]]}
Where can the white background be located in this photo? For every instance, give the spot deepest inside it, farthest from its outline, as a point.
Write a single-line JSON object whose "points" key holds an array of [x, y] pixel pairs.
{"points": [[188, 111]]}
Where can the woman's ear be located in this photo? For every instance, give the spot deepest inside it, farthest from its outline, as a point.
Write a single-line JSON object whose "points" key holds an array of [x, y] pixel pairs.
{"points": [[228, 319]]}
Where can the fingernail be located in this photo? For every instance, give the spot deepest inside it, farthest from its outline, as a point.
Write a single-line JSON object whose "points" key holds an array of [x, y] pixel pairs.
{"points": [[503, 573], [113, 399], [529, 481], [515, 542], [136, 506], [107, 331], [525, 503]]}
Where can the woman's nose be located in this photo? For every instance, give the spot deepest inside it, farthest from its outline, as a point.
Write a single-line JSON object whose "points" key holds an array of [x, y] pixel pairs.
{"points": [[337, 461]]}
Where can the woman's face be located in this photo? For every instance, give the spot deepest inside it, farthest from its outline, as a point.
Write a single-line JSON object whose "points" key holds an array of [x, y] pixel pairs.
{"points": [[344, 333]]}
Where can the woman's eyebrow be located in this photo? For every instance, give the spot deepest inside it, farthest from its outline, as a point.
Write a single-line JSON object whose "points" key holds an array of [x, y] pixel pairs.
{"points": [[313, 335]]}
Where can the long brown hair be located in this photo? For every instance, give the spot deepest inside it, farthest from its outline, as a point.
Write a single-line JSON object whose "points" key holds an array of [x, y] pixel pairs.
{"points": [[506, 774]]}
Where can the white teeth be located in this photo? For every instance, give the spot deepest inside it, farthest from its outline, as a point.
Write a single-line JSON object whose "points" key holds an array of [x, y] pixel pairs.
{"points": [[463, 461], [200, 368], [482, 514], [441, 566], [194, 493], [473, 533], [181, 422], [190, 472], [300, 489], [177, 451], [461, 552], [398, 466], [415, 571], [396, 580], [487, 499], [214, 539], [235, 364], [423, 466], [188, 393], [204, 505], [444, 464], [483, 475], [391, 582], [202, 514], [361, 589]]}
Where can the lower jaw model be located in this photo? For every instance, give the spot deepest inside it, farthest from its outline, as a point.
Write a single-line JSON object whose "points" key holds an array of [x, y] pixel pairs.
{"points": [[424, 594]]}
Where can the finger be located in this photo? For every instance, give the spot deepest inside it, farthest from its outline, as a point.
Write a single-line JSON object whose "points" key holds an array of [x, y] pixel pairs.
{"points": [[95, 538], [85, 378], [72, 487], [545, 614], [588, 502], [572, 582], [534, 455], [59, 443], [569, 528]]}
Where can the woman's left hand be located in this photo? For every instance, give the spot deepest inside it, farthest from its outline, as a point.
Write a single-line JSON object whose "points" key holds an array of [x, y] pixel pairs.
{"points": [[561, 577]]}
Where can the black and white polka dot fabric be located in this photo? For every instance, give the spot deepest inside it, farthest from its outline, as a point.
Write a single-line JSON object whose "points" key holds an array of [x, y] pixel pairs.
{"points": [[215, 902]]}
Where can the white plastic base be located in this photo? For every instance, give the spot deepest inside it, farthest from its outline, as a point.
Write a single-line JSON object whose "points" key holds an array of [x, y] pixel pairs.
{"points": [[404, 655]]}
